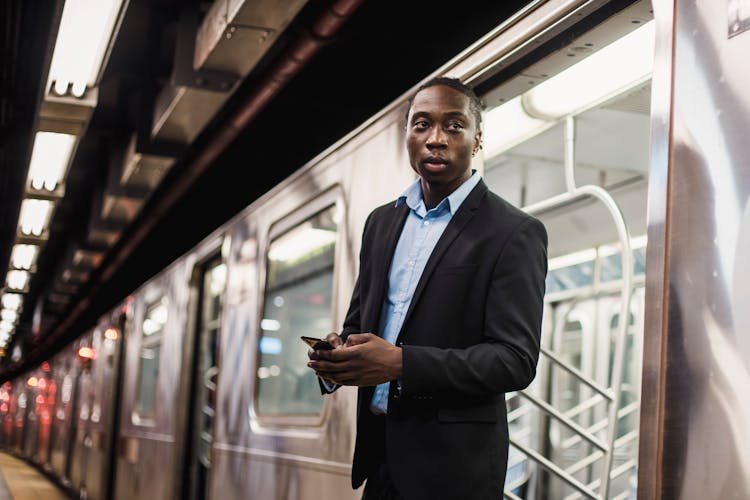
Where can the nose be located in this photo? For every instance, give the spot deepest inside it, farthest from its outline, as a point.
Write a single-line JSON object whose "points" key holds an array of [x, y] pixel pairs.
{"points": [[437, 138]]}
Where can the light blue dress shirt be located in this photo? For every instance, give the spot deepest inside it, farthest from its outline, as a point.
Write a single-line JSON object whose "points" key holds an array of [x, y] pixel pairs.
{"points": [[419, 236]]}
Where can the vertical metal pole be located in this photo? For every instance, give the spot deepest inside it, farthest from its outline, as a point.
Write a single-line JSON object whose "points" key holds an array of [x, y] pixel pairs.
{"points": [[570, 153]]}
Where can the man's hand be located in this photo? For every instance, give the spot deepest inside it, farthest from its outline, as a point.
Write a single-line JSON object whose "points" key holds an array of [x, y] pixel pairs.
{"points": [[364, 360], [332, 338]]}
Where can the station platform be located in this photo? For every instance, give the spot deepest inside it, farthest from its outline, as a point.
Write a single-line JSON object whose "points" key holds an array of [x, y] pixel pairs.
{"points": [[20, 481]]}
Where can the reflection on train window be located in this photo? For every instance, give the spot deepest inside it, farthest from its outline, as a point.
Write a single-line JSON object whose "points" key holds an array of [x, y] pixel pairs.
{"points": [[148, 363], [297, 302]]}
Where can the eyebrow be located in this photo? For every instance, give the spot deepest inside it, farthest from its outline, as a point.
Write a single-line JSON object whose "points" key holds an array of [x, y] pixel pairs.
{"points": [[459, 114]]}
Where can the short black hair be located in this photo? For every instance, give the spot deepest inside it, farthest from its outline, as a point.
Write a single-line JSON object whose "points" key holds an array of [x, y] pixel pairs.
{"points": [[475, 104]]}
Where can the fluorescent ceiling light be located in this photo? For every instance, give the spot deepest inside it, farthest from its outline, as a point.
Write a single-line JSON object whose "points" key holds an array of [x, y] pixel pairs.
{"points": [[508, 125], [605, 73], [82, 41], [12, 301], [300, 242], [8, 315], [49, 159], [17, 280], [23, 256], [35, 216]]}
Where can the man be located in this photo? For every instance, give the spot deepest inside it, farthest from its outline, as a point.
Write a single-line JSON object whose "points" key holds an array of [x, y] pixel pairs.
{"points": [[449, 297]]}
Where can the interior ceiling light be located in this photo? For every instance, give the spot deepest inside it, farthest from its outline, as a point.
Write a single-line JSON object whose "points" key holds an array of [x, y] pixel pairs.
{"points": [[626, 62], [82, 42], [508, 125], [49, 159], [17, 280], [12, 301], [23, 256], [34, 216]]}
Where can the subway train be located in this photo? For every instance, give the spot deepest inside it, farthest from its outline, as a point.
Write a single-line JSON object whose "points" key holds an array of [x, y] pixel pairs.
{"points": [[195, 385]]}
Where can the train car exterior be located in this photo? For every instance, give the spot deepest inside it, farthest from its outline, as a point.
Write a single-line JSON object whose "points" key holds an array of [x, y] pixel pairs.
{"points": [[196, 385]]}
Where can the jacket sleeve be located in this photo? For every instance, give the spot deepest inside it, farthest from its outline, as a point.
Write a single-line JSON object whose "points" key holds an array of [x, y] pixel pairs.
{"points": [[352, 320], [505, 360]]}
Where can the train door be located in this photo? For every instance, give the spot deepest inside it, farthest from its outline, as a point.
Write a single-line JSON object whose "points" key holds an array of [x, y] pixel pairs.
{"points": [[116, 335], [566, 137], [210, 284], [64, 370]]}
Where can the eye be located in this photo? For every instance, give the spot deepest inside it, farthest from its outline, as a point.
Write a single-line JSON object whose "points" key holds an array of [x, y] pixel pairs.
{"points": [[421, 124], [455, 126]]}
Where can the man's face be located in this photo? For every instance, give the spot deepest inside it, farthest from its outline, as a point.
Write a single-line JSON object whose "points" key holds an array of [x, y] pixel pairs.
{"points": [[441, 136]]}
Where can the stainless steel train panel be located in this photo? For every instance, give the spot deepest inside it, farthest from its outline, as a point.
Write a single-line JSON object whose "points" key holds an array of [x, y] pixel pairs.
{"points": [[146, 448], [65, 369], [145, 467], [697, 363], [83, 392], [94, 419], [98, 436]]}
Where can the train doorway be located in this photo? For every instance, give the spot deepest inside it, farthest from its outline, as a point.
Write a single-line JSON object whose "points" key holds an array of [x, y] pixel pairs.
{"points": [[567, 138], [209, 285]]}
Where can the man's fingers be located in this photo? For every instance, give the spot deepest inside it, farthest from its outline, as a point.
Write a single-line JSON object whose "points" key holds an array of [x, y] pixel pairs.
{"points": [[338, 355], [358, 338], [328, 367], [334, 339]]}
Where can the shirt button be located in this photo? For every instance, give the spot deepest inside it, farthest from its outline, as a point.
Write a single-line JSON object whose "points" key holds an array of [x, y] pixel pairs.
{"points": [[411, 262], [426, 223]]}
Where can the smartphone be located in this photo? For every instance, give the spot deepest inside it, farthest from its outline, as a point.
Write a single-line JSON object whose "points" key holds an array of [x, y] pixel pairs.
{"points": [[317, 344]]}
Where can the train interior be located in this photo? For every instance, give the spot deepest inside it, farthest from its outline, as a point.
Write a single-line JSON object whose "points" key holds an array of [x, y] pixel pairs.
{"points": [[573, 149], [573, 154]]}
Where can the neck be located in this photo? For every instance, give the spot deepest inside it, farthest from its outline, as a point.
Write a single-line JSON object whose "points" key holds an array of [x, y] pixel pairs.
{"points": [[433, 194]]}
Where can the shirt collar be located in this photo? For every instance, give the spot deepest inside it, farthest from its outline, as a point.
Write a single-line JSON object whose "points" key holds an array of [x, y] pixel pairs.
{"points": [[412, 196]]}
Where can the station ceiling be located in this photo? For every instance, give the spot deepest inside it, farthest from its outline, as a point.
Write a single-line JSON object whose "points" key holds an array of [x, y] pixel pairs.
{"points": [[382, 49]]}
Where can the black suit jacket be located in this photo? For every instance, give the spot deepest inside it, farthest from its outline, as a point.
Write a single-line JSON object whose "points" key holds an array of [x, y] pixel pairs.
{"points": [[471, 334]]}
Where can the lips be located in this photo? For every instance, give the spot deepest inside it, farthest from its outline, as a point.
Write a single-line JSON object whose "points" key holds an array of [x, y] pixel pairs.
{"points": [[434, 163]]}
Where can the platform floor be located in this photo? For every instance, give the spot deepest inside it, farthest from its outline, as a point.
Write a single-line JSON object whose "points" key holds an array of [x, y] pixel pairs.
{"points": [[20, 481]]}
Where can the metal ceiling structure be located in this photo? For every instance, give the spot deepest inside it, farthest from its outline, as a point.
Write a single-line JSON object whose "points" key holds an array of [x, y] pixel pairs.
{"points": [[200, 108]]}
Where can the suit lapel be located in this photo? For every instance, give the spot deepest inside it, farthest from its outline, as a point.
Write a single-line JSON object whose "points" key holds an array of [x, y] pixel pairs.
{"points": [[465, 213], [385, 258]]}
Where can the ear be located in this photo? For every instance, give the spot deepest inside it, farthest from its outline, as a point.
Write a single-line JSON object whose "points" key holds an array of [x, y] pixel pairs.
{"points": [[477, 143]]}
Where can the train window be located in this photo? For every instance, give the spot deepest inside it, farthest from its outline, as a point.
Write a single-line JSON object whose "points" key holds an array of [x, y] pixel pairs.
{"points": [[297, 301], [569, 277], [148, 364], [577, 269]]}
